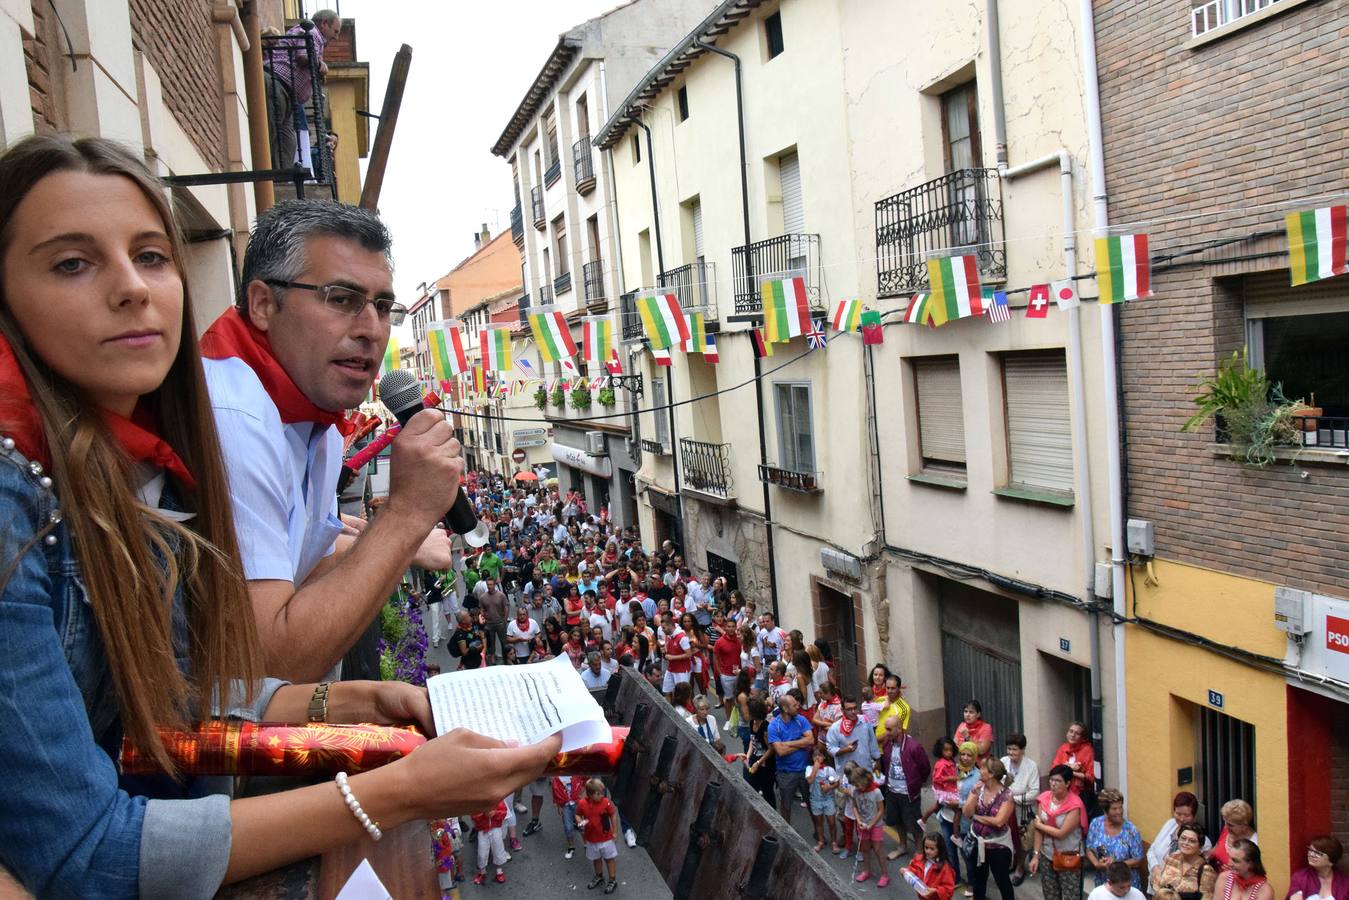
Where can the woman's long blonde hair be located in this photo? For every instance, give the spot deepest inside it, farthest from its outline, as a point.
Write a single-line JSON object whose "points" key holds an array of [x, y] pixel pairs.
{"points": [[131, 561]]}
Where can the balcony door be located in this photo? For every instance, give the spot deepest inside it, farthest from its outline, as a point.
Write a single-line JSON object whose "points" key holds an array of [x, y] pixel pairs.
{"points": [[963, 152]]}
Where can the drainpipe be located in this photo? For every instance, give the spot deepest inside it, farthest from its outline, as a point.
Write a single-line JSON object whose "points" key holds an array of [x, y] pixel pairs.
{"points": [[991, 31], [758, 368], [1101, 210], [1082, 459], [255, 92], [669, 382]]}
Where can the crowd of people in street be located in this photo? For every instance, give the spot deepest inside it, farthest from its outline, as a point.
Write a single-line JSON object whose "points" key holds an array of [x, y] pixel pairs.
{"points": [[560, 579]]}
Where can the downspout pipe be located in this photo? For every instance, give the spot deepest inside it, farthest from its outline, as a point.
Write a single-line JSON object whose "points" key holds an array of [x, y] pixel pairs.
{"points": [[1115, 476], [758, 366], [1082, 458], [255, 92], [993, 35]]}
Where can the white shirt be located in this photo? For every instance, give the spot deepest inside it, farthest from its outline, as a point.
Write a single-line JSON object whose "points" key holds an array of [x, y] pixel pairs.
{"points": [[282, 478], [606, 630], [707, 730], [1025, 786], [522, 637], [592, 681], [771, 642], [1104, 893]]}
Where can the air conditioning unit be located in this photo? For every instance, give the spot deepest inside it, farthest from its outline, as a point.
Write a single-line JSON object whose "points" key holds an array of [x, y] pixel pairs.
{"points": [[841, 563], [595, 443]]}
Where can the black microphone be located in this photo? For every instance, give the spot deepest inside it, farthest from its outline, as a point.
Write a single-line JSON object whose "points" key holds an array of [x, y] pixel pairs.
{"points": [[403, 395]]}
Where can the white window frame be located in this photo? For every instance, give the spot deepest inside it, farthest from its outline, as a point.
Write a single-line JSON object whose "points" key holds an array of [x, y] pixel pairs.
{"points": [[1211, 15], [788, 453]]}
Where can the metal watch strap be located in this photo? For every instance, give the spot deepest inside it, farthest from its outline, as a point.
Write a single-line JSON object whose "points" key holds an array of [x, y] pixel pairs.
{"points": [[318, 703]]}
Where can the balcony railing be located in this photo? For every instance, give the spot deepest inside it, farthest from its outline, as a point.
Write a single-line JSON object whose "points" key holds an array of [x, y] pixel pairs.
{"points": [[583, 165], [788, 256], [1326, 432], [592, 273], [707, 467], [536, 201], [630, 321], [962, 209], [517, 224], [291, 81], [552, 173], [695, 286], [792, 480], [1216, 13], [562, 283], [655, 448], [545, 294], [524, 309]]}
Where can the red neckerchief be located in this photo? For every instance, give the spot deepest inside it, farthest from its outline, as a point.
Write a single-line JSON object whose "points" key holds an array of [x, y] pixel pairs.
{"points": [[846, 725], [232, 336], [136, 437]]}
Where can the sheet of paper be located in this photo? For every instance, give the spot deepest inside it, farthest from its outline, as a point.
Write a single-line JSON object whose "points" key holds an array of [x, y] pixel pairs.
{"points": [[364, 884], [525, 703]]}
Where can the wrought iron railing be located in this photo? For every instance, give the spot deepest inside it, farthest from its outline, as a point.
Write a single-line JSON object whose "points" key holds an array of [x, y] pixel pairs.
{"points": [[583, 164], [545, 294], [792, 480], [655, 448], [707, 467], [562, 283], [695, 286], [517, 224], [1216, 13], [552, 173], [1328, 432], [962, 209], [592, 273], [536, 201], [788, 256], [630, 321], [524, 309], [307, 121]]}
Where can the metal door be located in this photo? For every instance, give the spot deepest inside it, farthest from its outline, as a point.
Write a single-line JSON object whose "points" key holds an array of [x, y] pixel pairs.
{"points": [[972, 671], [721, 567]]}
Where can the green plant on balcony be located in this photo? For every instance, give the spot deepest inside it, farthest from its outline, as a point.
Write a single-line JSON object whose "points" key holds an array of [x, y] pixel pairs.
{"points": [[580, 397], [606, 398], [559, 397], [540, 398], [1250, 413]]}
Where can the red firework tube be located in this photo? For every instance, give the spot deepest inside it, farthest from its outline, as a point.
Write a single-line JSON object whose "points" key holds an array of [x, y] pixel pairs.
{"points": [[357, 460], [232, 747]]}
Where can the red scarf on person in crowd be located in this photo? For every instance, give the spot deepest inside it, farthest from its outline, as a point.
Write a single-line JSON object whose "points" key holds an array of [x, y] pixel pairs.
{"points": [[136, 436], [846, 725], [232, 336]]}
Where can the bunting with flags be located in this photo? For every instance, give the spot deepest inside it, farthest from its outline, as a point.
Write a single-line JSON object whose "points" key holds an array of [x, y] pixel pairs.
{"points": [[614, 364], [662, 356], [552, 336], [390, 355], [1317, 242], [697, 338], [1123, 268], [762, 348], [597, 340], [496, 349], [917, 313], [815, 337], [710, 354], [479, 380], [786, 309], [848, 315], [955, 288], [448, 356], [663, 321]]}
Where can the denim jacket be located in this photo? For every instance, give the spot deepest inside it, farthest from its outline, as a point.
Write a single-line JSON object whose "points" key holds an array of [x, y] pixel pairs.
{"points": [[71, 825]]}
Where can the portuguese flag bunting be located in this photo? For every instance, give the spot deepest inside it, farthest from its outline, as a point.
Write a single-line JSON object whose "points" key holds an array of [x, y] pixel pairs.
{"points": [[496, 349], [663, 321], [786, 311], [552, 336], [848, 315], [1317, 243], [955, 288], [1123, 268]]}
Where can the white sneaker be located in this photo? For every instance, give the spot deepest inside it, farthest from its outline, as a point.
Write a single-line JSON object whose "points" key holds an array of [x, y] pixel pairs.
{"points": [[631, 837], [569, 854], [521, 808]]}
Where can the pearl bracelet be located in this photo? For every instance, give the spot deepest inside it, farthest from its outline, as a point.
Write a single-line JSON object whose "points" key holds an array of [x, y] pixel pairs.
{"points": [[371, 826]]}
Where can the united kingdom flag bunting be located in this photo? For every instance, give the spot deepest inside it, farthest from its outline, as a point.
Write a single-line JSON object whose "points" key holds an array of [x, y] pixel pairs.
{"points": [[815, 337]]}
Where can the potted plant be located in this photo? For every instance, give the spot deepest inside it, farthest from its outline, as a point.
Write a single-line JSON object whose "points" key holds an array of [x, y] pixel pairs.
{"points": [[540, 398], [606, 397], [559, 398], [1250, 414], [580, 397]]}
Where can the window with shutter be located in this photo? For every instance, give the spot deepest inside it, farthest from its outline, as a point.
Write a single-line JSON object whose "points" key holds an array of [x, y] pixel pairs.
{"points": [[698, 230], [659, 414], [796, 437], [1039, 432], [941, 423], [793, 212]]}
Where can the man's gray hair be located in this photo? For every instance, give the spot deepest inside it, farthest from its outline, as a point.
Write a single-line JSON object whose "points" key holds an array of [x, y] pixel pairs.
{"points": [[276, 248], [592, 657], [323, 15]]}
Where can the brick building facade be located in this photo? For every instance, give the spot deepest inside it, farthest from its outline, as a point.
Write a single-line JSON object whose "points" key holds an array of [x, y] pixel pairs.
{"points": [[178, 36]]}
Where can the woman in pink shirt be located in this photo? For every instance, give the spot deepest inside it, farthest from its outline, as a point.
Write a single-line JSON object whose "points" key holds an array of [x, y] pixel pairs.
{"points": [[975, 730]]}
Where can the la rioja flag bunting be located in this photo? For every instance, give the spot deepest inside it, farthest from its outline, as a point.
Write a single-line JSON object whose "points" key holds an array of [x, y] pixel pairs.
{"points": [[848, 315], [1123, 268], [390, 356], [597, 338], [786, 310], [496, 349], [552, 336], [955, 288], [663, 321], [916, 312], [1038, 307], [448, 356], [1317, 243]]}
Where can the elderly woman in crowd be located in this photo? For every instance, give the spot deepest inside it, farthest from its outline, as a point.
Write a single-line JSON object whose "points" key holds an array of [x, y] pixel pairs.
{"points": [[1059, 823], [1238, 824], [1184, 811], [1112, 838], [1185, 871], [1023, 780], [1321, 877]]}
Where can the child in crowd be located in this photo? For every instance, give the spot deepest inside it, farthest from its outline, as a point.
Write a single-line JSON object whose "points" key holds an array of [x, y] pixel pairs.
{"points": [[566, 793], [944, 790], [869, 808], [849, 812], [930, 875], [491, 832], [597, 817], [823, 779]]}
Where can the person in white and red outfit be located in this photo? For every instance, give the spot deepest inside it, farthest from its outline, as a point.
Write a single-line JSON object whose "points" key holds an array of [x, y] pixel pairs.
{"points": [[491, 831], [567, 792], [678, 657], [726, 664]]}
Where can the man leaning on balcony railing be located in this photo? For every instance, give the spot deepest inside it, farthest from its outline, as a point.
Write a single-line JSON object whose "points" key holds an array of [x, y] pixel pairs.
{"points": [[288, 77]]}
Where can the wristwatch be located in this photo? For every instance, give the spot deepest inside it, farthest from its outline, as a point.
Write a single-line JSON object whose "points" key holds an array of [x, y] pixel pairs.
{"points": [[318, 703]]}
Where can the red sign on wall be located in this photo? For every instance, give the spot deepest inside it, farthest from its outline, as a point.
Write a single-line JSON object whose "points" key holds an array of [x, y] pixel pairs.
{"points": [[1337, 634]]}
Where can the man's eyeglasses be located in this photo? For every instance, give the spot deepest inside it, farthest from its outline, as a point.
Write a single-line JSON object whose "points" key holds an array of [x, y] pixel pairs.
{"points": [[348, 301]]}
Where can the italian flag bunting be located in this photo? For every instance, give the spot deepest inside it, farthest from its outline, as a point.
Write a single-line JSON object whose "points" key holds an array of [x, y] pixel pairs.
{"points": [[597, 339], [496, 349], [390, 356], [663, 321], [848, 315], [955, 288], [552, 336], [786, 311], [1123, 268], [448, 357], [1317, 243]]}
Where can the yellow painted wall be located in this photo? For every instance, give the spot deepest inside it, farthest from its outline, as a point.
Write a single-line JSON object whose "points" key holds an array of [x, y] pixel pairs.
{"points": [[348, 87], [1168, 683]]}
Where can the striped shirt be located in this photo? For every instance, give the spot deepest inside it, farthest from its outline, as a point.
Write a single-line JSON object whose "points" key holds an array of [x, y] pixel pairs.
{"points": [[292, 48]]}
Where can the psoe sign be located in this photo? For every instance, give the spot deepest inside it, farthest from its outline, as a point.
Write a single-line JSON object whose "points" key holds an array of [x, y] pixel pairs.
{"points": [[1326, 650], [1337, 634]]}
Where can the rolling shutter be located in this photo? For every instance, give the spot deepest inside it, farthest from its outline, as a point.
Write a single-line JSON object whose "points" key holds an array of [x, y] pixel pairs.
{"points": [[793, 213], [1268, 295], [1039, 433], [698, 230], [941, 424]]}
